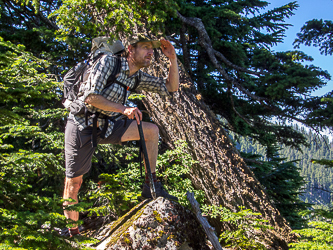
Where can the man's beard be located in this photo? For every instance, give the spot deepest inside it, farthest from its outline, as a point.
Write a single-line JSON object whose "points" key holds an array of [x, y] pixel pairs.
{"points": [[144, 62]]}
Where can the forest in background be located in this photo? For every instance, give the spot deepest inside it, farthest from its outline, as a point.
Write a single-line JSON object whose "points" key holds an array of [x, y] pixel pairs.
{"points": [[318, 187]]}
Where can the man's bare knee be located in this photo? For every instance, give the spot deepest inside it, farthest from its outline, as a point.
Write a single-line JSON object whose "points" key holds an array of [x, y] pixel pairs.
{"points": [[152, 132], [72, 185]]}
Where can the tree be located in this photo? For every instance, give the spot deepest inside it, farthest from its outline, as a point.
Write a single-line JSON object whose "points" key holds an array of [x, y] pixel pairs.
{"points": [[31, 152], [317, 33], [227, 56], [283, 183], [318, 234]]}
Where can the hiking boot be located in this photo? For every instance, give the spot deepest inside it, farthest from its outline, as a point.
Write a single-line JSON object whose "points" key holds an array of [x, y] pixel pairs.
{"points": [[65, 233], [160, 192]]}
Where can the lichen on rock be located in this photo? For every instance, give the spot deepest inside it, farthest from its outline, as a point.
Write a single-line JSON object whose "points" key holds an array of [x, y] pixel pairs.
{"points": [[159, 224]]}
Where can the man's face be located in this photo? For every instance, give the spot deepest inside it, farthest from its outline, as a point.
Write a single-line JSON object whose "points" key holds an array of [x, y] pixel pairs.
{"points": [[142, 54]]}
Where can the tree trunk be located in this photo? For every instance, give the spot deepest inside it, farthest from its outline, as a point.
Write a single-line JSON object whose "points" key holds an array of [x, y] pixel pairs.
{"points": [[221, 172]]}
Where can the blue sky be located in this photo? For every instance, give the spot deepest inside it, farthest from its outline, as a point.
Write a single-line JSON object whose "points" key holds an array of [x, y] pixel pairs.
{"points": [[307, 10]]}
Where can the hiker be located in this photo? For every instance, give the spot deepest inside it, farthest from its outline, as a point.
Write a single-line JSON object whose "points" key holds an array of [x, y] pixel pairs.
{"points": [[109, 101]]}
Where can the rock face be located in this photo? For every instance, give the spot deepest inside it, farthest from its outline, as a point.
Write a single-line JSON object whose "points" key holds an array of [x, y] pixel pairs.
{"points": [[158, 224]]}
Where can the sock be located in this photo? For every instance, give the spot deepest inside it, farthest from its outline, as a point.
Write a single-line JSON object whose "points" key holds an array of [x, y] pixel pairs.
{"points": [[154, 178], [74, 231]]}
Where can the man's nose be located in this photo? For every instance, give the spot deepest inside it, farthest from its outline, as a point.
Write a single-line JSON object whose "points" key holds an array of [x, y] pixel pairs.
{"points": [[151, 51]]}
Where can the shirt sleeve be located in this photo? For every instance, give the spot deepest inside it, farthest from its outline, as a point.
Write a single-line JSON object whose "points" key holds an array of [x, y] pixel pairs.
{"points": [[153, 84], [98, 76]]}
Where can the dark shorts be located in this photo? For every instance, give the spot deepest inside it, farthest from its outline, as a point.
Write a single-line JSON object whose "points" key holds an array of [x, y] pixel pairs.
{"points": [[78, 146]]}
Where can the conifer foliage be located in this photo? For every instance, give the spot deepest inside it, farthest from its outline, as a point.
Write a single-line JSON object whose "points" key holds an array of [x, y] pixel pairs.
{"points": [[316, 33], [31, 151]]}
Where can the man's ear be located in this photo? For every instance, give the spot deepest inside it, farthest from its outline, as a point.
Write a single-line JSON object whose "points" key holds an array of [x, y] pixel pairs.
{"points": [[130, 49]]}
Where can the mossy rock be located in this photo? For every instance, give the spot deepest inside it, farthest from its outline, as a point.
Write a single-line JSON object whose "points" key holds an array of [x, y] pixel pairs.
{"points": [[156, 224]]}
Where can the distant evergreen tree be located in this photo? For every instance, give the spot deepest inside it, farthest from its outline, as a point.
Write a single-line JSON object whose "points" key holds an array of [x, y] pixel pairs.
{"points": [[318, 179], [280, 177], [283, 183]]}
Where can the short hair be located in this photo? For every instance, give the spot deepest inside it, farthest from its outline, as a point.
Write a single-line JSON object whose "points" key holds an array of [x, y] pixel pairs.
{"points": [[125, 53]]}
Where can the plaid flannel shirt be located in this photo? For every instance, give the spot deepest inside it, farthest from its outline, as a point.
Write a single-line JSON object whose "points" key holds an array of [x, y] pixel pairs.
{"points": [[97, 79]]}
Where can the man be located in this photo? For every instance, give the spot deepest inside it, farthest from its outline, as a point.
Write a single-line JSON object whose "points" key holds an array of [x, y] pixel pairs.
{"points": [[78, 135]]}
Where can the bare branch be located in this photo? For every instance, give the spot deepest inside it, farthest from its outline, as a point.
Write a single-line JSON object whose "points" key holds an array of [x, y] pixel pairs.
{"points": [[235, 110], [252, 161], [204, 41], [198, 24], [210, 231], [48, 21], [28, 12], [304, 123], [230, 64], [322, 189], [46, 123]]}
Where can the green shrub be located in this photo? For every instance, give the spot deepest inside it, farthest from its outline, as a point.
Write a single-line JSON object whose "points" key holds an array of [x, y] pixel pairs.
{"points": [[244, 225], [31, 160], [121, 191], [319, 232]]}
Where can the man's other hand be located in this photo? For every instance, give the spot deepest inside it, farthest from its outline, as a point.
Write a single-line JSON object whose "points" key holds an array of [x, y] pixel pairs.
{"points": [[168, 49]]}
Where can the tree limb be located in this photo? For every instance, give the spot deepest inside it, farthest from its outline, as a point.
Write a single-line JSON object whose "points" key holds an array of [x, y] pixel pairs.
{"points": [[210, 231], [252, 161], [230, 64], [24, 11], [322, 189], [204, 41], [234, 109], [198, 24]]}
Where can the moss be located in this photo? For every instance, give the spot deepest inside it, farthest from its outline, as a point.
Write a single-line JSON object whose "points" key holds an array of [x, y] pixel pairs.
{"points": [[179, 229], [123, 223], [171, 236], [157, 216], [127, 240]]}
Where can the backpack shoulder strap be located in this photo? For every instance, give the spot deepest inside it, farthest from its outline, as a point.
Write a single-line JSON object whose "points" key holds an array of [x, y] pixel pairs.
{"points": [[114, 73], [137, 81], [95, 58], [113, 76]]}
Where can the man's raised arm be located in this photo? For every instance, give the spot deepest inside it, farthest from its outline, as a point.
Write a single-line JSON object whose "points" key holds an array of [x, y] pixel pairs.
{"points": [[172, 83]]}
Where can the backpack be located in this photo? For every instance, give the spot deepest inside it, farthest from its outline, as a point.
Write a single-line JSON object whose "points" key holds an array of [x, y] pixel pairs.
{"points": [[72, 82], [80, 73]]}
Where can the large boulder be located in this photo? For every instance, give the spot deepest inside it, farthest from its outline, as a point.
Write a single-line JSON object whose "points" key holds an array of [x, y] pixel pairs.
{"points": [[154, 224]]}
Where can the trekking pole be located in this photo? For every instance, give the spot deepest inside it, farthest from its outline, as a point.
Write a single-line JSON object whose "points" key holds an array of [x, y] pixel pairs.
{"points": [[145, 154]]}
